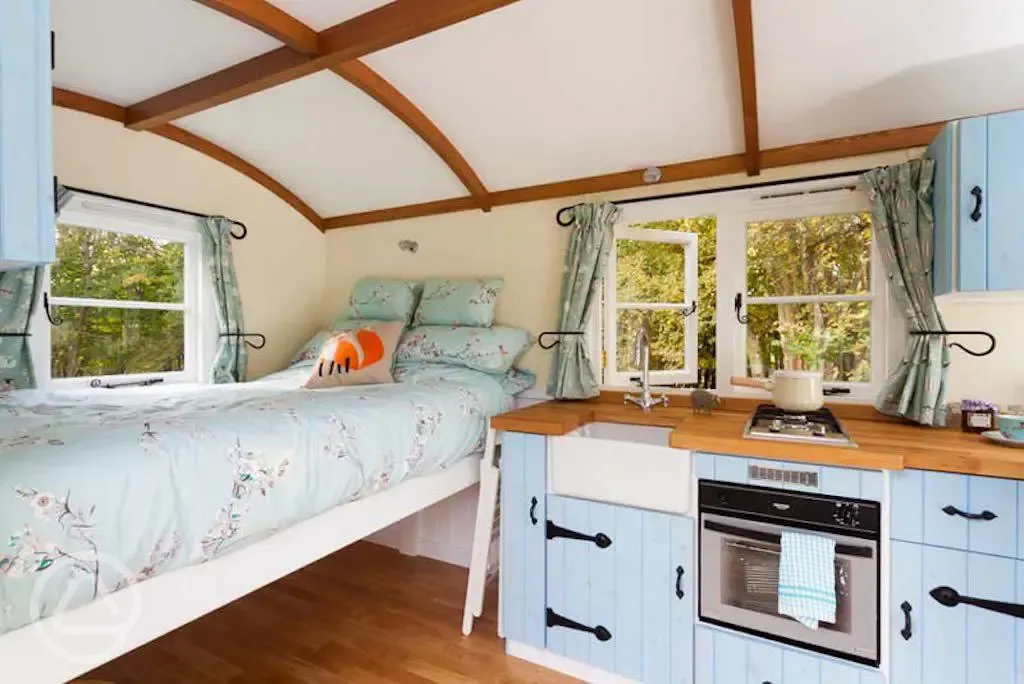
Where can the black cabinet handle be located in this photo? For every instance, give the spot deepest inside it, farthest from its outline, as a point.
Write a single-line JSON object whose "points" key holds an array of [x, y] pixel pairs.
{"points": [[679, 582], [533, 510], [950, 598], [906, 632], [556, 620], [976, 213], [602, 540], [984, 515]]}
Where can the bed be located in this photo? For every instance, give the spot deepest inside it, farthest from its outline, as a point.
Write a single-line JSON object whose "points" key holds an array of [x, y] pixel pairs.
{"points": [[165, 504]]}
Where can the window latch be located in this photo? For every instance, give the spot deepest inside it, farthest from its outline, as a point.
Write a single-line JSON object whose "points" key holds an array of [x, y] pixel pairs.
{"points": [[737, 304]]}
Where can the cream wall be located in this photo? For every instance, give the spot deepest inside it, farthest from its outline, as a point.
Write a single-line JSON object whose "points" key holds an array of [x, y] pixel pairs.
{"points": [[280, 264], [523, 244]]}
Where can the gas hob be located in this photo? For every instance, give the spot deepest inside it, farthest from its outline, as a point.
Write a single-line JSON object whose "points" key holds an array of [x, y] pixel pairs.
{"points": [[813, 427]]}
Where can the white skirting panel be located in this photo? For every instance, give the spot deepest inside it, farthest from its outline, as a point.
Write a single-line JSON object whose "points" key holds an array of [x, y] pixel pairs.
{"points": [[443, 532]]}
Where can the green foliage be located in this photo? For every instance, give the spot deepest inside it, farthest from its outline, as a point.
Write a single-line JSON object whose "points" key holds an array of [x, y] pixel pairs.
{"points": [[817, 255], [107, 341]]}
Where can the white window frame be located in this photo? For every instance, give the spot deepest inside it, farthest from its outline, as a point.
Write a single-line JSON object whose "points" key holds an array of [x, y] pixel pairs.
{"points": [[689, 371], [838, 202], [197, 303], [732, 210]]}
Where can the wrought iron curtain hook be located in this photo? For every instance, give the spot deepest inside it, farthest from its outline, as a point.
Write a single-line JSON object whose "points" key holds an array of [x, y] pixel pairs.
{"points": [[53, 319], [260, 344], [950, 333], [556, 333], [245, 230]]}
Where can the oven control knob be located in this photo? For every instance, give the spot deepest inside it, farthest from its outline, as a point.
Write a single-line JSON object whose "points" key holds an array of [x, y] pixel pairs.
{"points": [[846, 514]]}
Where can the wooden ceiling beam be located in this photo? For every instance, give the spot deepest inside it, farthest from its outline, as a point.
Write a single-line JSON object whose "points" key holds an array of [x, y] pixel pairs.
{"points": [[743, 23], [90, 105], [275, 22], [389, 97], [254, 13], [804, 153], [394, 23]]}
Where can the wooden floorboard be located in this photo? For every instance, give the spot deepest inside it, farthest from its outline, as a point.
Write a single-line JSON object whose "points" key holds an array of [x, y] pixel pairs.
{"points": [[363, 615]]}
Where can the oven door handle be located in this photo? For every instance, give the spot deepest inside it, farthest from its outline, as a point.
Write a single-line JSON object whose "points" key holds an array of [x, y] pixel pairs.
{"points": [[757, 535]]}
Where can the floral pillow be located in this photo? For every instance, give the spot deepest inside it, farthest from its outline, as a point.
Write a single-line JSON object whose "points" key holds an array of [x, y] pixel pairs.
{"points": [[364, 356], [383, 300], [309, 352], [492, 350], [458, 302]]}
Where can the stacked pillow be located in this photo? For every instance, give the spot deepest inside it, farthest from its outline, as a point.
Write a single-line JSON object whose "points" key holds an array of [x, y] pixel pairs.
{"points": [[452, 325]]}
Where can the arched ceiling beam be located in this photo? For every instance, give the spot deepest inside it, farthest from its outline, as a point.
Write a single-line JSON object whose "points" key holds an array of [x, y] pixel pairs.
{"points": [[389, 97], [269, 19], [743, 22], [108, 110], [391, 24], [255, 13]]}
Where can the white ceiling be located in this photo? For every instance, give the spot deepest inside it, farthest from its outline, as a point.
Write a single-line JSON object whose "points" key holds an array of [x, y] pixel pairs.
{"points": [[335, 147], [124, 51], [321, 14], [558, 90], [547, 90], [832, 68]]}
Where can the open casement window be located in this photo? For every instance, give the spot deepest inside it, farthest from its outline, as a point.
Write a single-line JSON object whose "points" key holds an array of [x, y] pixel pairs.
{"points": [[127, 286], [652, 275], [814, 296]]}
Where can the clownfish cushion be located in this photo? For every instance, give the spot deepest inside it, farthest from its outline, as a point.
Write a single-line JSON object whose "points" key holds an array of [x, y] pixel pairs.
{"points": [[363, 356]]}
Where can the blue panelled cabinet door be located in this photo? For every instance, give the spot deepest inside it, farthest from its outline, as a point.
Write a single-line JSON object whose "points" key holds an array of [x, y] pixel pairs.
{"points": [[26, 148], [979, 244], [630, 578], [935, 644], [523, 514]]}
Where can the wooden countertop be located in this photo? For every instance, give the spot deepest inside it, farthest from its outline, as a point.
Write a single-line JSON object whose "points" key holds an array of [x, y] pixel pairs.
{"points": [[882, 443]]}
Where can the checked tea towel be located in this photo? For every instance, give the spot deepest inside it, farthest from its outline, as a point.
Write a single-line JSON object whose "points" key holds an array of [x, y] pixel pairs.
{"points": [[807, 578]]}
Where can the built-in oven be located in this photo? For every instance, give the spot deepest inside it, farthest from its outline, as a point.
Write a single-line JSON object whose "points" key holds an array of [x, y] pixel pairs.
{"points": [[739, 547]]}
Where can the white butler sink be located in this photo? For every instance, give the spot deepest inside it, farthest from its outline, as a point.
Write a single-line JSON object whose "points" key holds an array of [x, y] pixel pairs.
{"points": [[631, 465]]}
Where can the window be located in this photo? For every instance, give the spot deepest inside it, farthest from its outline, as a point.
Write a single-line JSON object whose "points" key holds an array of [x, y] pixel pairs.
{"points": [[804, 263], [809, 296], [652, 276], [127, 286]]}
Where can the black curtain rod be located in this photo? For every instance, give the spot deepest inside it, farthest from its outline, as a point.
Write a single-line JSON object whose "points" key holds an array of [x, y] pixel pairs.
{"points": [[564, 215], [154, 205]]}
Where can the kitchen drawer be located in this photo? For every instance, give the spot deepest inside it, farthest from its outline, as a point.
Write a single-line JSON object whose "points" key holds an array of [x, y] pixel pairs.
{"points": [[791, 476], [629, 579], [935, 644], [725, 657], [965, 512]]}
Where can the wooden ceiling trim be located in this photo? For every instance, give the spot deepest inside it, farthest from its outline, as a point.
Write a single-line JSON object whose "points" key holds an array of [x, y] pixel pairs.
{"points": [[804, 153], [271, 20], [446, 206], [373, 84], [108, 110], [394, 23], [743, 23]]}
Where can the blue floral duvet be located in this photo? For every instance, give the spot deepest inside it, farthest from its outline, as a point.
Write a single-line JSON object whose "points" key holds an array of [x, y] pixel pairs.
{"points": [[98, 492]]}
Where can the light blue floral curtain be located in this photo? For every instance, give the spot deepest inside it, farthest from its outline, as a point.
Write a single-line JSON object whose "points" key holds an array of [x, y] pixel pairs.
{"points": [[585, 259], [19, 294], [904, 226], [232, 355]]}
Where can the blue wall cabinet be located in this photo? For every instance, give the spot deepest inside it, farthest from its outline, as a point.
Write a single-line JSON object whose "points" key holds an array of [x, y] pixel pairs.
{"points": [[979, 242], [26, 148], [523, 514], [727, 658], [932, 643], [624, 578]]}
